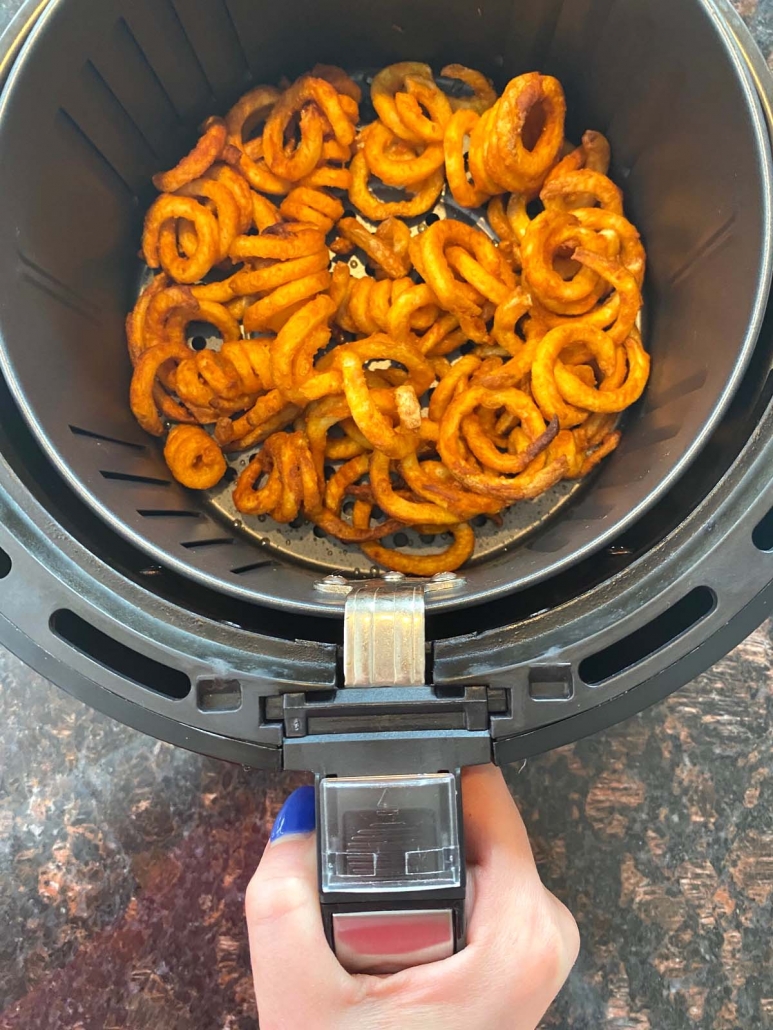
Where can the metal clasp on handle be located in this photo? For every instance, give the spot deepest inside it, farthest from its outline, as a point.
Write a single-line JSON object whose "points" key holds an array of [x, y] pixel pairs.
{"points": [[384, 636], [384, 626]]}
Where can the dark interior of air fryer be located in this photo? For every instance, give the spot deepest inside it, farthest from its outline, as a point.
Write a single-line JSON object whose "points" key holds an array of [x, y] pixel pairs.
{"points": [[115, 92]]}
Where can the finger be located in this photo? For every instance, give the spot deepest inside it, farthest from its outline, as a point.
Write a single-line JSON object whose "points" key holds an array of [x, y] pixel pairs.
{"points": [[502, 865], [288, 947], [492, 824], [513, 914]]}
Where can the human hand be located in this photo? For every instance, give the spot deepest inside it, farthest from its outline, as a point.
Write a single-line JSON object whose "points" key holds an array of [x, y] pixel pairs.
{"points": [[521, 941]]}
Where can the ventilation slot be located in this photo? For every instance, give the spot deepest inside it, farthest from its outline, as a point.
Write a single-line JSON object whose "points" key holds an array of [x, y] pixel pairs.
{"points": [[120, 659], [78, 431], [241, 569], [218, 695], [551, 683], [762, 537], [193, 545], [167, 513], [127, 477], [643, 642]]}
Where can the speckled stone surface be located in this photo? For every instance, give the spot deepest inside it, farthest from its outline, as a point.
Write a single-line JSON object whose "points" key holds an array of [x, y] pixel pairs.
{"points": [[123, 861]]}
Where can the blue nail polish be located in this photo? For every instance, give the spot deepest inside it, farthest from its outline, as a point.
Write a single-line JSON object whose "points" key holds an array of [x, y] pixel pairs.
{"points": [[296, 815]]}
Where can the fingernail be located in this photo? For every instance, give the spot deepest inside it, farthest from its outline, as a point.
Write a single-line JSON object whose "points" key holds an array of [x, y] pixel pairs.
{"points": [[296, 816]]}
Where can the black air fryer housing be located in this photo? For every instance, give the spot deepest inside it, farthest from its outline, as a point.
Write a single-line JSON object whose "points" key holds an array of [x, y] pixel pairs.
{"points": [[131, 593]]}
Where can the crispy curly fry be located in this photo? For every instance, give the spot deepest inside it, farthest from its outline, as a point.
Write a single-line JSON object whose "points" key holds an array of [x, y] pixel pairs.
{"points": [[301, 161], [484, 95], [193, 457], [398, 507], [313, 205], [261, 280], [249, 112], [549, 309], [141, 396], [425, 195], [543, 379], [280, 242], [626, 289], [421, 92], [259, 315], [264, 212], [161, 250], [607, 399], [374, 425], [465, 192], [225, 207], [252, 165], [396, 162], [387, 248], [386, 84], [484, 264], [135, 320], [167, 313], [548, 234], [480, 135], [240, 190], [432, 481], [201, 158], [420, 564], [593, 153], [560, 192], [522, 486], [517, 162], [337, 77]]}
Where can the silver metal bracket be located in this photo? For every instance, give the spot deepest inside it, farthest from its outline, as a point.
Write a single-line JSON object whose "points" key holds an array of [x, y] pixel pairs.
{"points": [[384, 627]]}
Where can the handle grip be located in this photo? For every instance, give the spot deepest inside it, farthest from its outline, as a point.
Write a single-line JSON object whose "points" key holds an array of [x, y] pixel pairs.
{"points": [[391, 869]]}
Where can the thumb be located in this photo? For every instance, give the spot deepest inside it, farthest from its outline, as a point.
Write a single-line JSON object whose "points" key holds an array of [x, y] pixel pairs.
{"points": [[293, 966]]}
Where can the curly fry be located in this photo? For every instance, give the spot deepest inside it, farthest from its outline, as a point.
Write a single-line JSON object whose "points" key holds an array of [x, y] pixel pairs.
{"points": [[305, 204], [421, 92], [193, 457], [386, 84], [141, 397], [161, 250], [425, 193], [300, 162], [464, 191], [606, 398], [201, 158], [388, 249], [396, 162], [484, 95], [421, 564]]}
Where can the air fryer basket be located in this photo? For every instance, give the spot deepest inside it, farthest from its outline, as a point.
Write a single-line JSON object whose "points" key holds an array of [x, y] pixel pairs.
{"points": [[110, 605], [115, 89]]}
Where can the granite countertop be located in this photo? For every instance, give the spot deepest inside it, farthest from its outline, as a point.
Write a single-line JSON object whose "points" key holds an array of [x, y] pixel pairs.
{"points": [[123, 861]]}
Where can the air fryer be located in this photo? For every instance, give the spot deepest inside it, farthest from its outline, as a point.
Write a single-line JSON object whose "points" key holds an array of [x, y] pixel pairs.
{"points": [[161, 608]]}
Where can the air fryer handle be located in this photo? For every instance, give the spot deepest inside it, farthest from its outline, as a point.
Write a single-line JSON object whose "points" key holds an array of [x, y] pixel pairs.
{"points": [[392, 873]]}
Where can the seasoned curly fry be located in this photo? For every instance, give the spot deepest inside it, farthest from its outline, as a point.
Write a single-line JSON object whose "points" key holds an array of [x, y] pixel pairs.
{"points": [[473, 365], [193, 457], [201, 158]]}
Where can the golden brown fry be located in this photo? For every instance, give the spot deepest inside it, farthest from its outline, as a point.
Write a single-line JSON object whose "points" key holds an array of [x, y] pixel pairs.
{"points": [[484, 95], [549, 310], [418, 564], [193, 457], [201, 158], [425, 194]]}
